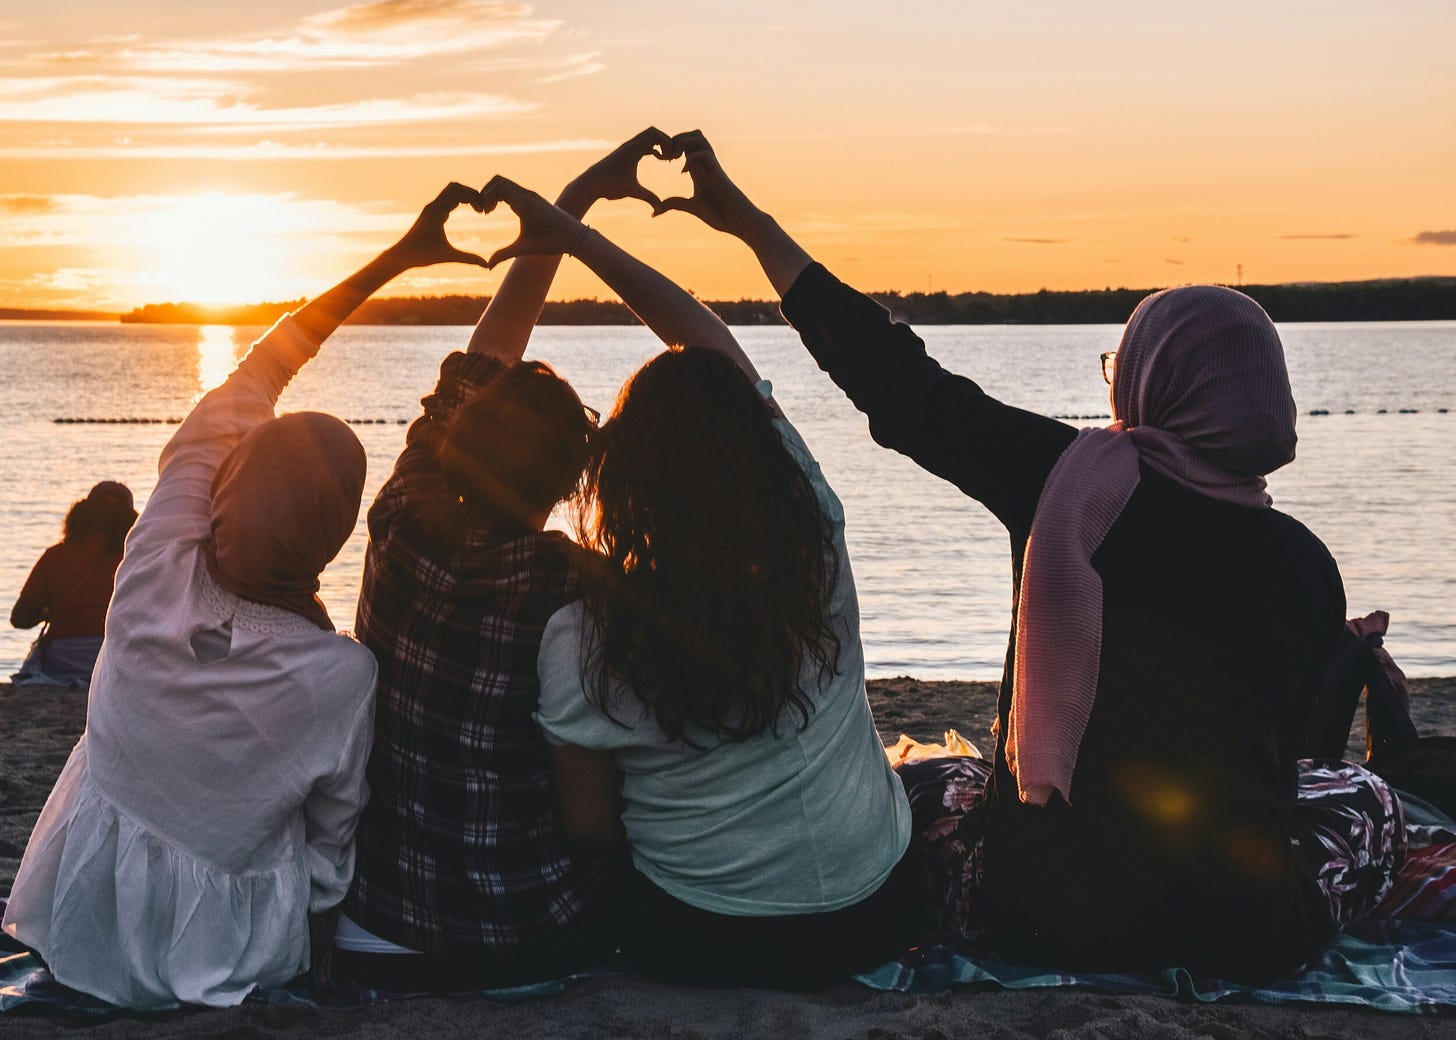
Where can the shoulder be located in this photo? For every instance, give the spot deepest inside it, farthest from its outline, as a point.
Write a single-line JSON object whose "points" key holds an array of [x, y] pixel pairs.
{"points": [[65, 554], [56, 556], [562, 640], [343, 669], [565, 712], [1303, 551]]}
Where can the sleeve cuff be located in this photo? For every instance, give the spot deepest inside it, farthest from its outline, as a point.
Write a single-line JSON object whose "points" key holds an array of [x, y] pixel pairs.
{"points": [[281, 351], [813, 283]]}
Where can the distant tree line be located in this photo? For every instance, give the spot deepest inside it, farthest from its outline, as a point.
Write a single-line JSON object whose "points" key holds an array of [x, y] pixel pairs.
{"points": [[1398, 299], [41, 314]]}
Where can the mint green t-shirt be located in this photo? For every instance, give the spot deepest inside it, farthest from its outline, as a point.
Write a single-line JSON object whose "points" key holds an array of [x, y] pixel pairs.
{"points": [[806, 821]]}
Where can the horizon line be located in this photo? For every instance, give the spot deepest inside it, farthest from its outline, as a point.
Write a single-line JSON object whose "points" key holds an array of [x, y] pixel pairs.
{"points": [[93, 314]]}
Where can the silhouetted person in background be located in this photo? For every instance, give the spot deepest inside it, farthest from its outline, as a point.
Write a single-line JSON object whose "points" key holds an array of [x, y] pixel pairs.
{"points": [[69, 589]]}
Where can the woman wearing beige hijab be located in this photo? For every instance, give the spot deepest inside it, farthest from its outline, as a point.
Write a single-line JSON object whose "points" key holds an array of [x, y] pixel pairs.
{"points": [[210, 805]]}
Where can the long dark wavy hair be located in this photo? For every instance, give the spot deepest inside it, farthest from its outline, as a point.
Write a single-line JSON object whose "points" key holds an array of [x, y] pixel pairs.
{"points": [[717, 563]]}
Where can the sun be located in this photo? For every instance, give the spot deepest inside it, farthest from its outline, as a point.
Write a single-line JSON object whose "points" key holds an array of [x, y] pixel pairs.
{"points": [[216, 248]]}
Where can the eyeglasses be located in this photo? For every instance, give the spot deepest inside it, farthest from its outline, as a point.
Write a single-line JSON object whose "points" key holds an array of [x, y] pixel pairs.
{"points": [[1109, 365]]}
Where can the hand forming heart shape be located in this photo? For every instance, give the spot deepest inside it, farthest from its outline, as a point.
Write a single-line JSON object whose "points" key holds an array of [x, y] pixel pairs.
{"points": [[425, 242]]}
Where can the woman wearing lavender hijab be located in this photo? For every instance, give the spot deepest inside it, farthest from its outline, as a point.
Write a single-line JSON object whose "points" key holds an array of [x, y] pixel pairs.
{"points": [[1169, 633]]}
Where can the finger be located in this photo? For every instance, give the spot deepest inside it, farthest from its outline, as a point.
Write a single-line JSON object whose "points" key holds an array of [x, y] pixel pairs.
{"points": [[678, 203], [501, 189], [508, 252], [489, 196], [455, 194], [654, 141], [637, 191], [703, 161], [691, 141], [521, 200], [460, 256]]}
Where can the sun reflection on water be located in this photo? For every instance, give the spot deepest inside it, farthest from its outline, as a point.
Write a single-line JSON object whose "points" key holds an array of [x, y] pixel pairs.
{"points": [[217, 355]]}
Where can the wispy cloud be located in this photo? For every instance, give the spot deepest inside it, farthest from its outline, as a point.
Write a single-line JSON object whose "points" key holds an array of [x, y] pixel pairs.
{"points": [[220, 106], [1036, 241], [1178, 263], [575, 67], [1435, 238], [549, 67], [135, 96], [1329, 238], [26, 204], [277, 150], [363, 35], [125, 220]]}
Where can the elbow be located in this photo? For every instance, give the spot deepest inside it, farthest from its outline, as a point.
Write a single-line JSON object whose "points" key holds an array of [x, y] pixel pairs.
{"points": [[23, 617]]}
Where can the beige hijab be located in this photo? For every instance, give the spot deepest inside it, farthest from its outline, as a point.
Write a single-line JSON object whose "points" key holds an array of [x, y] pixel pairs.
{"points": [[284, 501]]}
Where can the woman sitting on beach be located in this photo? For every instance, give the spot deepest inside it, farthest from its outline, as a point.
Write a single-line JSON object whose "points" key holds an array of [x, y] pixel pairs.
{"points": [[210, 805], [706, 698], [1170, 631], [69, 589]]}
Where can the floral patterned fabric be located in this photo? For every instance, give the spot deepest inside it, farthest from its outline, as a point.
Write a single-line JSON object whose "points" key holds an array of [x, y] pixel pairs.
{"points": [[1347, 826]]}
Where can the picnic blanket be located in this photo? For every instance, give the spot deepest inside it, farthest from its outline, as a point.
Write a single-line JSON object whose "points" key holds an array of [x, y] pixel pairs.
{"points": [[1390, 964], [1384, 963], [1400, 958]]}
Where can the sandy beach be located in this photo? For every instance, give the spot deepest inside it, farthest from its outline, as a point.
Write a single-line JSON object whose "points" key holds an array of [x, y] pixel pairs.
{"points": [[38, 728]]}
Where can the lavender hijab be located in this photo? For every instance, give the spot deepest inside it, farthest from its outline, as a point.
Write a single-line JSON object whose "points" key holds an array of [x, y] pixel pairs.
{"points": [[284, 501], [1201, 395]]}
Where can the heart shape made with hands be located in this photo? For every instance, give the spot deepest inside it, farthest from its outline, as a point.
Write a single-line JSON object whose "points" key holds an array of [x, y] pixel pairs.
{"points": [[663, 177]]}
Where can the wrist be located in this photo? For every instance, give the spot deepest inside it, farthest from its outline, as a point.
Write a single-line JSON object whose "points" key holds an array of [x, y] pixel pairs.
{"points": [[393, 261], [581, 238], [757, 229], [576, 198]]}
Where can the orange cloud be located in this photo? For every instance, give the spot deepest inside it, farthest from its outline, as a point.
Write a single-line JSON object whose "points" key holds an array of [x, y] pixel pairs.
{"points": [[363, 35], [27, 204]]}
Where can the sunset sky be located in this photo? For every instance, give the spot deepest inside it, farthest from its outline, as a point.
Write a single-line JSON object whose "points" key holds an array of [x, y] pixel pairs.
{"points": [[164, 150]]}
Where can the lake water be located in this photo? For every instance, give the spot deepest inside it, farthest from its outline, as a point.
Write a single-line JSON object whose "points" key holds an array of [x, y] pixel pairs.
{"points": [[1378, 485]]}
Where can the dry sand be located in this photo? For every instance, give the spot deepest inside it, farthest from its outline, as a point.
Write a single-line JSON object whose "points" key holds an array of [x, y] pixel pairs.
{"points": [[38, 727]]}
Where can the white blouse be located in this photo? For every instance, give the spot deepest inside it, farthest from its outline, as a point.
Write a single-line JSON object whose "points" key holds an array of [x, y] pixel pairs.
{"points": [[210, 805]]}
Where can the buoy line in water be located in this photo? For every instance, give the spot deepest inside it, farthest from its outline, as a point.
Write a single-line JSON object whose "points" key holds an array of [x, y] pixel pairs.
{"points": [[1312, 411], [68, 420]]}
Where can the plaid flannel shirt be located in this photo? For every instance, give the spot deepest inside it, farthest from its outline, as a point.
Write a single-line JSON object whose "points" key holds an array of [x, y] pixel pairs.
{"points": [[459, 851]]}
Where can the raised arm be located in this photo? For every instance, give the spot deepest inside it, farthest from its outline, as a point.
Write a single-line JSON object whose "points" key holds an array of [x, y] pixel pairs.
{"points": [[723, 206], [423, 245], [505, 328], [674, 315], [998, 454], [180, 506]]}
